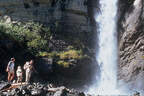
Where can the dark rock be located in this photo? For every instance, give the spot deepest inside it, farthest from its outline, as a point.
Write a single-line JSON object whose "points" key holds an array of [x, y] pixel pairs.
{"points": [[45, 65], [136, 94], [4, 85], [60, 91], [81, 94], [29, 87], [38, 89]]}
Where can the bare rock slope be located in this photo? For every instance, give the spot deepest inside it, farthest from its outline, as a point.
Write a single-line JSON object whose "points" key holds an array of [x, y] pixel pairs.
{"points": [[131, 46]]}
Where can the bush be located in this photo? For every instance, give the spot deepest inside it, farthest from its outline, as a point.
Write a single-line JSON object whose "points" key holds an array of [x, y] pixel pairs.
{"points": [[33, 35], [71, 54], [64, 58], [63, 63], [53, 54]]}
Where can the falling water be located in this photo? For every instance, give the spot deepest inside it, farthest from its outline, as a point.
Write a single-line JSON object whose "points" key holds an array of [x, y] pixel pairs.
{"points": [[107, 52]]}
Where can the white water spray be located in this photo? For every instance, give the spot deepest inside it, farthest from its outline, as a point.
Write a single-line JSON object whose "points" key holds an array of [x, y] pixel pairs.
{"points": [[107, 53]]}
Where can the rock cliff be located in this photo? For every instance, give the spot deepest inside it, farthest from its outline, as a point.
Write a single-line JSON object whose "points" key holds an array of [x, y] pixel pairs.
{"points": [[72, 14], [131, 44], [69, 22], [73, 18]]}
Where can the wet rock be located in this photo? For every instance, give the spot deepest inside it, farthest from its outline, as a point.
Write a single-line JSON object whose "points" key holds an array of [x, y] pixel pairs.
{"points": [[6, 19], [38, 89], [60, 91], [81, 94], [29, 87], [137, 94], [35, 92], [4, 85], [131, 46]]}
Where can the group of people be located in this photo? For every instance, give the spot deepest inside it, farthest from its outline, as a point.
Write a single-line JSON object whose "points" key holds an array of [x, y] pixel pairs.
{"points": [[28, 67]]}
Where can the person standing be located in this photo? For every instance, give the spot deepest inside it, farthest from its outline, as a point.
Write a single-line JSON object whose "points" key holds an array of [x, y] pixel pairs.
{"points": [[28, 67], [10, 69], [19, 74]]}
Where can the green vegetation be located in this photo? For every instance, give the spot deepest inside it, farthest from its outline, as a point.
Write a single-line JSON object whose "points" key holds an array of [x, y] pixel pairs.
{"points": [[64, 58], [52, 54], [33, 36], [64, 63], [70, 54]]}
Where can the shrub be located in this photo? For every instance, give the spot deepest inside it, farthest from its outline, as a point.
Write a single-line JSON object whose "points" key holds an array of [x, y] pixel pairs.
{"points": [[53, 54], [71, 54], [43, 54], [64, 58], [34, 36], [63, 63]]}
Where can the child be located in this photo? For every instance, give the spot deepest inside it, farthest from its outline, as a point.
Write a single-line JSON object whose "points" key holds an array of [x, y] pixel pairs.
{"points": [[19, 74]]}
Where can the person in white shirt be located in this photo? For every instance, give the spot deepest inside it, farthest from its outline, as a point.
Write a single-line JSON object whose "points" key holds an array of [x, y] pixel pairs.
{"points": [[28, 67], [10, 69], [19, 74]]}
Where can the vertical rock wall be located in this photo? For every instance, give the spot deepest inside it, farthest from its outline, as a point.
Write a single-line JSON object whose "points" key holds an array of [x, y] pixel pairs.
{"points": [[131, 45], [70, 13]]}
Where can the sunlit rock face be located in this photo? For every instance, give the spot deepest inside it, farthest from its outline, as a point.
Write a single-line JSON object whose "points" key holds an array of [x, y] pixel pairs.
{"points": [[69, 13], [66, 18], [131, 45]]}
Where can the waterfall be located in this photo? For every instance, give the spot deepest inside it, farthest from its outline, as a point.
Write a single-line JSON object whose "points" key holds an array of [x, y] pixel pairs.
{"points": [[107, 52]]}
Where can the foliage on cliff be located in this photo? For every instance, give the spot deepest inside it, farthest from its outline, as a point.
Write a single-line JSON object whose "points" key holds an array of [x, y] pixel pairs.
{"points": [[65, 58], [35, 38], [32, 36]]}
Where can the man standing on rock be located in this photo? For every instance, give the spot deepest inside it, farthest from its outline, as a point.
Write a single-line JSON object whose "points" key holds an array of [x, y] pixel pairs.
{"points": [[28, 67], [10, 69]]}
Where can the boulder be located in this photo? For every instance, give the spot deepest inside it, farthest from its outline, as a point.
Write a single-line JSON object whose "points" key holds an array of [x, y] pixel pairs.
{"points": [[38, 89], [4, 85]]}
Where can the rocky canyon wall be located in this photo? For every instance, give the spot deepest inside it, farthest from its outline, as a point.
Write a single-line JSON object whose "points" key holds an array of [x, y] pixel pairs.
{"points": [[131, 44], [69, 21], [75, 17], [70, 13]]}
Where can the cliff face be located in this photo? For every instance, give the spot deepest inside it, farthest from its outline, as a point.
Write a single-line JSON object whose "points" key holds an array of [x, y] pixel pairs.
{"points": [[69, 13], [72, 19], [131, 45], [68, 21]]}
